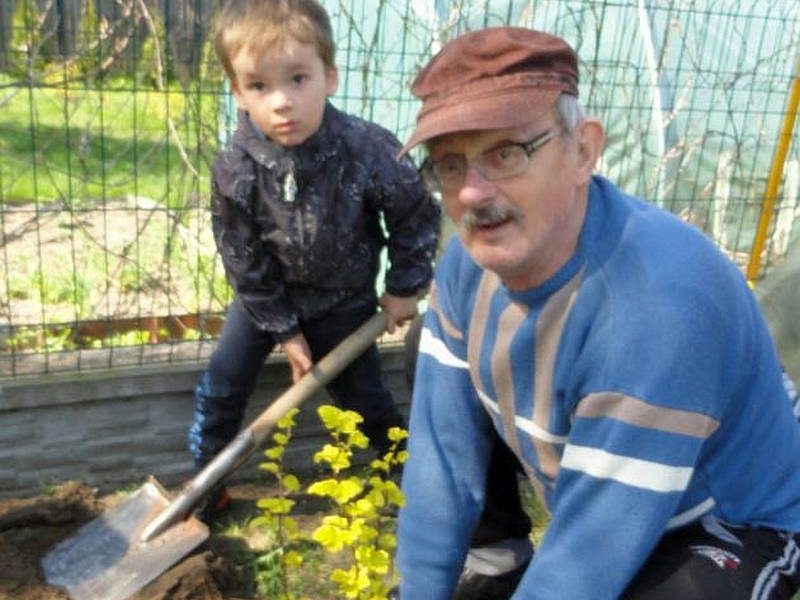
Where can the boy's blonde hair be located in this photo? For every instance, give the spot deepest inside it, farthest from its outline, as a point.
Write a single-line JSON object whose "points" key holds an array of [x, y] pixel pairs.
{"points": [[264, 23]]}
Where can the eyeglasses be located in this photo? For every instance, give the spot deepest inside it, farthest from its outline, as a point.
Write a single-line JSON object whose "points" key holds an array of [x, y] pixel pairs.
{"points": [[448, 174]]}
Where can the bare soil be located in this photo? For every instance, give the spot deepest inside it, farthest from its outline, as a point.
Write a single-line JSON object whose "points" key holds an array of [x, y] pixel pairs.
{"points": [[216, 570]]}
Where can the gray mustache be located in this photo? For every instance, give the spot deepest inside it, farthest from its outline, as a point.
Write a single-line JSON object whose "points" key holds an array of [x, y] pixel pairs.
{"points": [[489, 215]]}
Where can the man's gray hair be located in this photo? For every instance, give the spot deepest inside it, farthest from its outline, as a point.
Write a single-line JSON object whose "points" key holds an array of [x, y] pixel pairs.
{"points": [[569, 111]]}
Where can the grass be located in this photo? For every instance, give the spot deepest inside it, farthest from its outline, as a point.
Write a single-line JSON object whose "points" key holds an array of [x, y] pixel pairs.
{"points": [[126, 258], [78, 145], [115, 183]]}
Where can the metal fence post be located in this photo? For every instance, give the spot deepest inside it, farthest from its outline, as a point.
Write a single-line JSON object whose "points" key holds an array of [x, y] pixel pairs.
{"points": [[768, 206]]}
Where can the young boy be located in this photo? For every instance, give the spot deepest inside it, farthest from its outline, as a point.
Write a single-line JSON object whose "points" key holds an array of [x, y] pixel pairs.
{"points": [[297, 201]]}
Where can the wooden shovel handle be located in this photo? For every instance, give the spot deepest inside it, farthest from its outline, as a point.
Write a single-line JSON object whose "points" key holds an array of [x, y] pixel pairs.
{"points": [[250, 438], [319, 376]]}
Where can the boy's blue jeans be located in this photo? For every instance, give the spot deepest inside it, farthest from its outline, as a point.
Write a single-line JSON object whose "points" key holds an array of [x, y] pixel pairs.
{"points": [[224, 388]]}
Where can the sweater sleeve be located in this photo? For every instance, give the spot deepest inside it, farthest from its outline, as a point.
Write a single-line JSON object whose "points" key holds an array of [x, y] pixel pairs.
{"points": [[444, 478], [254, 274]]}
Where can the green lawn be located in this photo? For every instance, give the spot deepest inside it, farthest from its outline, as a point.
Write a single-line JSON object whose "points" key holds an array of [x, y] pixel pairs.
{"points": [[76, 144], [114, 182]]}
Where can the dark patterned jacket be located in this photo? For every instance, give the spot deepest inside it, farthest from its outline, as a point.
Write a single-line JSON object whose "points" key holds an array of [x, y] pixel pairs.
{"points": [[299, 228]]}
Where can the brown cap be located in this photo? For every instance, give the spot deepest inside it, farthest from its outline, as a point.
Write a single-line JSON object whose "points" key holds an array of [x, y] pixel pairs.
{"points": [[495, 78]]}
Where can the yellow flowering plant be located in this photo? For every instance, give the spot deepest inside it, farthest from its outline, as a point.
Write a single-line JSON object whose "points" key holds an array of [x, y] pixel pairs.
{"points": [[276, 511], [361, 525]]}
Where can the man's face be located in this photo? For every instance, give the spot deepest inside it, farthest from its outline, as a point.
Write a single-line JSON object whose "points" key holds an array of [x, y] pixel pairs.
{"points": [[523, 227], [283, 88]]}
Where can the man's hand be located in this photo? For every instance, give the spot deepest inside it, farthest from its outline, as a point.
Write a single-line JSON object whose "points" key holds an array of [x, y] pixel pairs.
{"points": [[299, 356], [398, 310]]}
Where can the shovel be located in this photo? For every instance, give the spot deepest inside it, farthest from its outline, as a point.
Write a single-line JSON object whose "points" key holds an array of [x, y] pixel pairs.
{"points": [[121, 551]]}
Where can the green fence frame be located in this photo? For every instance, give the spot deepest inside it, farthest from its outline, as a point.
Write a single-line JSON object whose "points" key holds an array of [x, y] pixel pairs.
{"points": [[112, 111]]}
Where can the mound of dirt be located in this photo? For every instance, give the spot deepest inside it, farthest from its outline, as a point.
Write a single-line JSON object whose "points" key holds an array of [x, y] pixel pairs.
{"points": [[30, 527]]}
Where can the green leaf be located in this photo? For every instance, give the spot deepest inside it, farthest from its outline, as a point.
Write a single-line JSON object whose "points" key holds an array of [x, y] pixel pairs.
{"points": [[357, 440], [287, 420], [363, 507], [275, 453], [377, 498], [373, 559], [387, 541], [396, 434], [272, 467], [293, 558], [276, 506], [394, 494], [337, 420], [334, 533], [352, 581], [324, 487], [266, 520], [348, 489], [290, 483], [337, 458]]}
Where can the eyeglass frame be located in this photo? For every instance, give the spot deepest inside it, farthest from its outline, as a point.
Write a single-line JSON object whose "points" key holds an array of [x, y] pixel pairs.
{"points": [[428, 167]]}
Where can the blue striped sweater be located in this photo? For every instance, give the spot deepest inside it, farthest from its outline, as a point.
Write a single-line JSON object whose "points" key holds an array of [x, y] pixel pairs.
{"points": [[639, 386]]}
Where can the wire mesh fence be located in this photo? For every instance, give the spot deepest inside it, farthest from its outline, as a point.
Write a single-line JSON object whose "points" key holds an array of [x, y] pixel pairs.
{"points": [[112, 111]]}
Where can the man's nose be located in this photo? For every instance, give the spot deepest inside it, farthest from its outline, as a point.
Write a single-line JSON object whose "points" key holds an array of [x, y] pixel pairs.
{"points": [[476, 189]]}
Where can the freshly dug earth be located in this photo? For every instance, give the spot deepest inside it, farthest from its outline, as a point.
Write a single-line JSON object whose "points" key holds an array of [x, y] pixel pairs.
{"points": [[30, 527]]}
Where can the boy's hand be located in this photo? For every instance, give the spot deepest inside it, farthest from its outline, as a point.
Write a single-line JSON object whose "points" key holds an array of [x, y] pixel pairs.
{"points": [[299, 356], [398, 310]]}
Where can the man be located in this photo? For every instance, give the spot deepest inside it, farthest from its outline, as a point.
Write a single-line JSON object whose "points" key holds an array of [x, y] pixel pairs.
{"points": [[619, 355]]}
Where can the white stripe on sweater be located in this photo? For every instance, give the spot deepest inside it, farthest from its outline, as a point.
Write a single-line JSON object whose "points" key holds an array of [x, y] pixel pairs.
{"points": [[437, 349], [526, 425], [644, 474]]}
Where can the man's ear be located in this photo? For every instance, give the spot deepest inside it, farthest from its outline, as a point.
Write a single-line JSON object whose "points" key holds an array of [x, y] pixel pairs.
{"points": [[331, 81], [591, 139]]}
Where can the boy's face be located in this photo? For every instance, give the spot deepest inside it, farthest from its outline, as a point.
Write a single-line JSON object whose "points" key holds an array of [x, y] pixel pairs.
{"points": [[283, 89]]}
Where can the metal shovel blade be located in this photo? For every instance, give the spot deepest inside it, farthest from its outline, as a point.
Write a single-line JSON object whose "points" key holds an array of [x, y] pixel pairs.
{"points": [[105, 559], [117, 554]]}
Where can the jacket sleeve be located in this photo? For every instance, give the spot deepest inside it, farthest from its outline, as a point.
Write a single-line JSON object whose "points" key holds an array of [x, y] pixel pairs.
{"points": [[412, 218], [254, 274]]}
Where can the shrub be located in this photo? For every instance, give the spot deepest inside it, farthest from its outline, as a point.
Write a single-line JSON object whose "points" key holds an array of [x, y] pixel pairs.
{"points": [[361, 524]]}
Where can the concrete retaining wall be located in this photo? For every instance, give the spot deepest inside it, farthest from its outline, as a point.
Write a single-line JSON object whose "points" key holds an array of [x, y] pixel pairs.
{"points": [[113, 428]]}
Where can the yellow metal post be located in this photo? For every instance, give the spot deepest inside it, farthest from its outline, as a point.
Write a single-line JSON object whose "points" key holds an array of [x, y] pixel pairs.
{"points": [[773, 182]]}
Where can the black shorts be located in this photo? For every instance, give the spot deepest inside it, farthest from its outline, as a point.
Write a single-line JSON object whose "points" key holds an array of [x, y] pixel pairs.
{"points": [[712, 561]]}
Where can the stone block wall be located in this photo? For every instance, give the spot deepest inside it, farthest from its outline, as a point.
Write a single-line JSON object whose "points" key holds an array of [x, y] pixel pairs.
{"points": [[113, 428]]}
